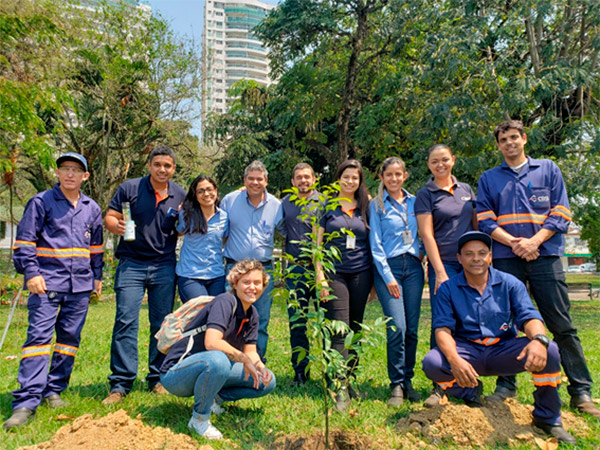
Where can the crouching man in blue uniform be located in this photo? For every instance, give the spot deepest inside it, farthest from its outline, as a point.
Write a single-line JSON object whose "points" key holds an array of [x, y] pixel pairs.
{"points": [[476, 319], [58, 249]]}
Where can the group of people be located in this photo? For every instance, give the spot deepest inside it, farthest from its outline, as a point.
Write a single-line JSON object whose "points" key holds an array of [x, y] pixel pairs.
{"points": [[521, 212]]}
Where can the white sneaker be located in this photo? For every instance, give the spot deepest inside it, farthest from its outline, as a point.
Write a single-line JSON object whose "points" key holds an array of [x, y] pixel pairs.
{"points": [[216, 409], [204, 428]]}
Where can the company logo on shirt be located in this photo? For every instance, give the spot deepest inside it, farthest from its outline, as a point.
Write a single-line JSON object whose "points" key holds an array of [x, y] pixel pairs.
{"points": [[539, 198], [465, 198], [504, 327]]}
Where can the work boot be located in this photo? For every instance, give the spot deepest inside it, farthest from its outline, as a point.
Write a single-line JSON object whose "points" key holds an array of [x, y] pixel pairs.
{"points": [[114, 397], [436, 396], [410, 394], [556, 431], [583, 403], [299, 379], [158, 389], [20, 417], [55, 401], [476, 401], [397, 396], [204, 428], [500, 394]]}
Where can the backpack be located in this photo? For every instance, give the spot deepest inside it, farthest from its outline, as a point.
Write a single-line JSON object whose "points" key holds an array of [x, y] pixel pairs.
{"points": [[171, 329]]}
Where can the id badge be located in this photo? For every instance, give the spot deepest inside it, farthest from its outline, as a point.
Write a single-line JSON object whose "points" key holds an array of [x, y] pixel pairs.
{"points": [[350, 242], [407, 237]]}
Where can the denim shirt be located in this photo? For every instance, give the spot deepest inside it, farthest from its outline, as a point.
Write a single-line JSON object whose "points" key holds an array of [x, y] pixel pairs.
{"points": [[386, 231], [201, 255]]}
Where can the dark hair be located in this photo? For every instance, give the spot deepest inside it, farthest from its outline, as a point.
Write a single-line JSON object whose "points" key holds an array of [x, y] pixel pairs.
{"points": [[507, 125], [161, 150], [435, 147], [192, 212], [387, 162], [362, 194], [302, 166]]}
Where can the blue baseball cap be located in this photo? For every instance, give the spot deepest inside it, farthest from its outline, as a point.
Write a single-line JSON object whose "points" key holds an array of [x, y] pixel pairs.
{"points": [[474, 236], [72, 156]]}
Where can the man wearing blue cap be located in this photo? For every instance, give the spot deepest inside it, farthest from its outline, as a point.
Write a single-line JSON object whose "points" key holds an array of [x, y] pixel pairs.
{"points": [[59, 251], [476, 318]]}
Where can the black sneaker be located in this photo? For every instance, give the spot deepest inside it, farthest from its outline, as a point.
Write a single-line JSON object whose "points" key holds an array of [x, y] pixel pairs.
{"points": [[411, 395], [476, 401], [556, 431], [299, 379]]}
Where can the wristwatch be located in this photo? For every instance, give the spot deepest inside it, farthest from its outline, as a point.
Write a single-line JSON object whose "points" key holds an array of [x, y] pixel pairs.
{"points": [[542, 338]]}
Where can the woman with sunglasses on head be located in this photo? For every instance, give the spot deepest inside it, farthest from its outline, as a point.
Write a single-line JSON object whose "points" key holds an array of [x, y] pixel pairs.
{"points": [[399, 276], [445, 210], [200, 269], [353, 277]]}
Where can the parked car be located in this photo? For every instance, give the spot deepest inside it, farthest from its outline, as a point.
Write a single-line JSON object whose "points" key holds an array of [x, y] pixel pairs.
{"points": [[588, 267], [574, 269]]}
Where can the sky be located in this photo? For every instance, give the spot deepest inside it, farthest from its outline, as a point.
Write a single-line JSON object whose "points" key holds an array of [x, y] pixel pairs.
{"points": [[186, 19]]}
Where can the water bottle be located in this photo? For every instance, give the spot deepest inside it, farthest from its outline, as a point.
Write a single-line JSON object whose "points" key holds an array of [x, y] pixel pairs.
{"points": [[129, 223]]}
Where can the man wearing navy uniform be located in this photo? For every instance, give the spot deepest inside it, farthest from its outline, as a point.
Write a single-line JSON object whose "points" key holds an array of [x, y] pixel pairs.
{"points": [[523, 205], [58, 249], [475, 319], [146, 263]]}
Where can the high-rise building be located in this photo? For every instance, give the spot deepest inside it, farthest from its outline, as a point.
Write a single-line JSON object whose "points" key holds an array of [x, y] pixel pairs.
{"points": [[230, 51]]}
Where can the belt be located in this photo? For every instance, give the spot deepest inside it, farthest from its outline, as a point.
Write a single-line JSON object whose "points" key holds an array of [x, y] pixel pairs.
{"points": [[233, 261]]}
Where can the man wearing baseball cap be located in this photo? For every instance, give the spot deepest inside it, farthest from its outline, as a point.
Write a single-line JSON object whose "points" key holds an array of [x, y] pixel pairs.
{"points": [[58, 249], [476, 318]]}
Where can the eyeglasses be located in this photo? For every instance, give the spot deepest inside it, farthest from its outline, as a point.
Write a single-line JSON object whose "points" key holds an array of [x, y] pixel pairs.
{"points": [[205, 191], [71, 169]]}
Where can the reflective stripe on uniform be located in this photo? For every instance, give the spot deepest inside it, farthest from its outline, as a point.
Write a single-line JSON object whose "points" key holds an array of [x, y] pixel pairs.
{"points": [[560, 210], [37, 350], [446, 384], [63, 252], [65, 349], [486, 341], [546, 379], [486, 215], [95, 249], [507, 219], [23, 244]]}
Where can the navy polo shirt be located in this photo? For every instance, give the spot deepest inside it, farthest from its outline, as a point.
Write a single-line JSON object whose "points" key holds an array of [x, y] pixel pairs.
{"points": [[298, 229], [155, 234], [238, 328], [452, 214], [352, 260], [503, 306]]}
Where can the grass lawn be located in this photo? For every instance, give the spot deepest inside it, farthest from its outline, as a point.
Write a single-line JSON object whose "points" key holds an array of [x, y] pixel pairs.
{"points": [[249, 422]]}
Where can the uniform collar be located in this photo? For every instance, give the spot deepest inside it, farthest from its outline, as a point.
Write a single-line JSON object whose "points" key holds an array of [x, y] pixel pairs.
{"points": [[262, 202], [532, 162], [405, 193], [434, 187], [151, 188], [493, 278], [58, 195]]}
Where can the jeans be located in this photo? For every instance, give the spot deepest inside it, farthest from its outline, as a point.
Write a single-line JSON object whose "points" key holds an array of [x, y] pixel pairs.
{"points": [[501, 359], [131, 281], [404, 312], [546, 279], [206, 374], [452, 268], [192, 287], [298, 338], [263, 307], [351, 291]]}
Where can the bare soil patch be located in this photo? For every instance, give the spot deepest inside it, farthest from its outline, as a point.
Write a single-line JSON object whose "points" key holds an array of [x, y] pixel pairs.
{"points": [[507, 423], [338, 440], [115, 431]]}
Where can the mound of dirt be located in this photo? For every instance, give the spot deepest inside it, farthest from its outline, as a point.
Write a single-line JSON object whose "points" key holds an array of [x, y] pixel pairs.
{"points": [[496, 423], [115, 431], [338, 440]]}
